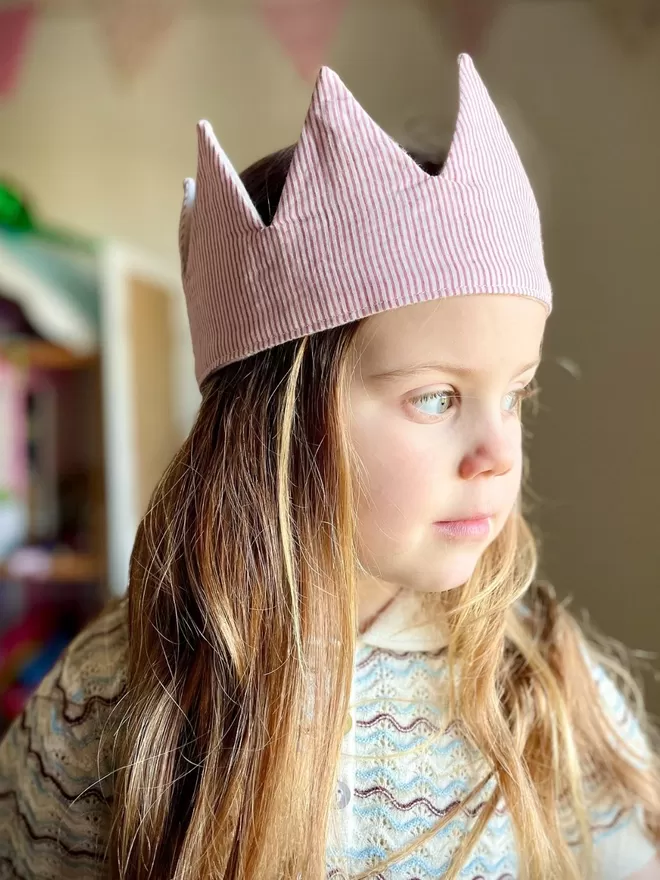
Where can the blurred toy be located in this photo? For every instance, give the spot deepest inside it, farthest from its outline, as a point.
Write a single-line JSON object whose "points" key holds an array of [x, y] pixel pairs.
{"points": [[28, 650], [17, 216]]}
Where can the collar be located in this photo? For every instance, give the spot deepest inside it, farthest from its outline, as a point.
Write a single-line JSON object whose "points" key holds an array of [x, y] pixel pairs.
{"points": [[406, 624]]}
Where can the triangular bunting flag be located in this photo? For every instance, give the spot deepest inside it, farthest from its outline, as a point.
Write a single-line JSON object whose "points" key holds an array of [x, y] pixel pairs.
{"points": [[304, 28], [466, 22], [133, 28], [15, 26]]}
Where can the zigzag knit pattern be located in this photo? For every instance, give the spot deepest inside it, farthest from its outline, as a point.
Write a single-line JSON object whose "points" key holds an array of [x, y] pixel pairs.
{"points": [[57, 771], [405, 765]]}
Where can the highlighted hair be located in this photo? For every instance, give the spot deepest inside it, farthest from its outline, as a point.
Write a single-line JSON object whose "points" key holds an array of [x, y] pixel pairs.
{"points": [[242, 608]]}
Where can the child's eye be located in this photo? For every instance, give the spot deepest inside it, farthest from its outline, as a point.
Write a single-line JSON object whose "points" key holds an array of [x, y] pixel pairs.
{"points": [[513, 400], [435, 403]]}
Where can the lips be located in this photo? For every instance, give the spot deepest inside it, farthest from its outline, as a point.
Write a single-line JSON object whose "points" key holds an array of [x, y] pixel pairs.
{"points": [[471, 516], [475, 528]]}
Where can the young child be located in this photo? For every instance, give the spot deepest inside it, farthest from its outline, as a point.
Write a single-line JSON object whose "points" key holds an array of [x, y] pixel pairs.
{"points": [[334, 660]]}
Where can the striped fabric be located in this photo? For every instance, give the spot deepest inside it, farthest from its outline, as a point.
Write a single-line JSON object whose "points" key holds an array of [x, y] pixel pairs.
{"points": [[360, 228]]}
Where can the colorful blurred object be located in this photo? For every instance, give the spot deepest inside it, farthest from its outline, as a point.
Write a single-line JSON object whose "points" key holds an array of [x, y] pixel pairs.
{"points": [[14, 212], [15, 26], [28, 650], [130, 27], [17, 216]]}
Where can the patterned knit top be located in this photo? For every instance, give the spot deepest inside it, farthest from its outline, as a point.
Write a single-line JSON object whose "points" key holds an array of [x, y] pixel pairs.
{"points": [[403, 767]]}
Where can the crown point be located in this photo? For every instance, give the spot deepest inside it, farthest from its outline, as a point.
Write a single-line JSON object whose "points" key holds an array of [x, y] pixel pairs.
{"points": [[466, 67], [329, 83], [326, 72], [205, 131]]}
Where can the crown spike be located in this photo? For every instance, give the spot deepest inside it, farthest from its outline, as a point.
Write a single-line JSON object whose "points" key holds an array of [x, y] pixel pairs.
{"points": [[327, 153], [481, 144], [218, 180]]}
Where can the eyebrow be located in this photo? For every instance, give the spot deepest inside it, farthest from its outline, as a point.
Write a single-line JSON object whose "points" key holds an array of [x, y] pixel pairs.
{"points": [[435, 367]]}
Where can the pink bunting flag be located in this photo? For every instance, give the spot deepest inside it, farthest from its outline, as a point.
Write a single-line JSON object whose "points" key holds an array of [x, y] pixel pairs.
{"points": [[133, 29], [15, 26], [471, 21], [304, 28]]}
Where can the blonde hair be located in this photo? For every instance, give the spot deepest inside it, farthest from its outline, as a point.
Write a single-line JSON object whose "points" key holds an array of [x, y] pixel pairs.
{"points": [[242, 618], [522, 687]]}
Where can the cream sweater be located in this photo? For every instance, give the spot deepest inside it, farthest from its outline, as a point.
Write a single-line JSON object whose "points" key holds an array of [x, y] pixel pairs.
{"points": [[405, 765]]}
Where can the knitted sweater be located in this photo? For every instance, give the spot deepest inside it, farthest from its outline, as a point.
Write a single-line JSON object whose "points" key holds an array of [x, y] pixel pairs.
{"points": [[389, 793], [56, 767]]}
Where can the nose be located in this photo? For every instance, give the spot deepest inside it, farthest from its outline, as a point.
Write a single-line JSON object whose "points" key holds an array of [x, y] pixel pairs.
{"points": [[493, 456]]}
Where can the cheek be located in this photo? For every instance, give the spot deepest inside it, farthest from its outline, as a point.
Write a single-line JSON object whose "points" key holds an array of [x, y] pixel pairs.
{"points": [[401, 479]]}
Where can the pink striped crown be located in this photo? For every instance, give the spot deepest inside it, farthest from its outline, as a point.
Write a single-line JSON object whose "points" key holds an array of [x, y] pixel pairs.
{"points": [[360, 228]]}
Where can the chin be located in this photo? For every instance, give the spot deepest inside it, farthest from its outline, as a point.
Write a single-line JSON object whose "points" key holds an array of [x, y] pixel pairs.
{"points": [[447, 574]]}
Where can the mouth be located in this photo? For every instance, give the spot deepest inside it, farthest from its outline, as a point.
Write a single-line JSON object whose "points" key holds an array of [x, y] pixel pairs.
{"points": [[475, 528]]}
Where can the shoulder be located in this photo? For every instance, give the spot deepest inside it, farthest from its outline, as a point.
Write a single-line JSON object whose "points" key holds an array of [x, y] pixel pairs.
{"points": [[621, 706], [56, 761], [621, 844]]}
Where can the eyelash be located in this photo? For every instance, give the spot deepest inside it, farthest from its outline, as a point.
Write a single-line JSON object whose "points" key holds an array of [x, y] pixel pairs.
{"points": [[527, 393]]}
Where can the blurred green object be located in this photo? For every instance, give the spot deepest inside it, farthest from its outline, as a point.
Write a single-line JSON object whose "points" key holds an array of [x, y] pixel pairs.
{"points": [[51, 273], [14, 213], [16, 216]]}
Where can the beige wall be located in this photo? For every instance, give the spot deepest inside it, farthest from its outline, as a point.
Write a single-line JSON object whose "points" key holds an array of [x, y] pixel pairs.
{"points": [[110, 158]]}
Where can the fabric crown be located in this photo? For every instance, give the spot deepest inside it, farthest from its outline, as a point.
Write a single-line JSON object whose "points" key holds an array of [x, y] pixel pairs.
{"points": [[360, 228]]}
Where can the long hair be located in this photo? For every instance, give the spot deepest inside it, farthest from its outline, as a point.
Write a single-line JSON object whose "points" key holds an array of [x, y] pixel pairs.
{"points": [[242, 619]]}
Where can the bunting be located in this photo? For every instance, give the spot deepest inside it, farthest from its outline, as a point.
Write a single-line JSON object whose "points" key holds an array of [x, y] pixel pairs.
{"points": [[15, 26], [305, 29]]}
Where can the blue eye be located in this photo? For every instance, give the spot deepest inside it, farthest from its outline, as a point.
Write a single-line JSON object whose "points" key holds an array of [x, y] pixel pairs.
{"points": [[436, 403], [512, 401]]}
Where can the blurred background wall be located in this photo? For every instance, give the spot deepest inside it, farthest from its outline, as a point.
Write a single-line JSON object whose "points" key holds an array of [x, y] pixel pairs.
{"points": [[106, 156]]}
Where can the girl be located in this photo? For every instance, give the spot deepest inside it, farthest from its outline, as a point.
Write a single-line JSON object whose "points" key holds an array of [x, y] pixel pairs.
{"points": [[334, 660]]}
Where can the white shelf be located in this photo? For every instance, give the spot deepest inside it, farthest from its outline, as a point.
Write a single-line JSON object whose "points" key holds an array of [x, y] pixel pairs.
{"points": [[47, 307]]}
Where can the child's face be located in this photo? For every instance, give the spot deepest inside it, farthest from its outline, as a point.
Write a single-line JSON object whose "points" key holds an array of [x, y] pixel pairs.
{"points": [[440, 447]]}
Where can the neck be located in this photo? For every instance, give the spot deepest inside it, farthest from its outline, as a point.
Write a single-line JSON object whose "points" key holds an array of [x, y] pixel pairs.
{"points": [[400, 619], [373, 597]]}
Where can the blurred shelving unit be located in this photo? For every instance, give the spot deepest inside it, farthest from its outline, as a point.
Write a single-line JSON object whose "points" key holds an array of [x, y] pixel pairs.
{"points": [[97, 391], [96, 394], [43, 355], [63, 566], [108, 323]]}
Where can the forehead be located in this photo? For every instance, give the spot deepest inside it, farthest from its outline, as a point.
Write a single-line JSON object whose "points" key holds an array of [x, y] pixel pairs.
{"points": [[478, 332]]}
